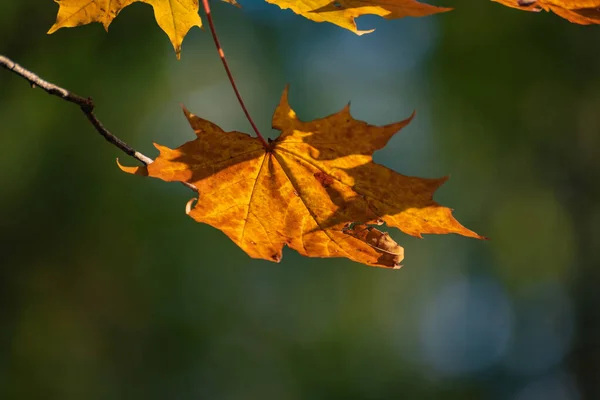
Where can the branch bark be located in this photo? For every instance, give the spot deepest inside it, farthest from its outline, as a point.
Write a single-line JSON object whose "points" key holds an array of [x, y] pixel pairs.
{"points": [[85, 104]]}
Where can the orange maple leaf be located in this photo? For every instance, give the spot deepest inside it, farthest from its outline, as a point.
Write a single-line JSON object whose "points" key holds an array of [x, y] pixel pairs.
{"points": [[175, 18], [312, 189], [344, 12], [584, 12]]}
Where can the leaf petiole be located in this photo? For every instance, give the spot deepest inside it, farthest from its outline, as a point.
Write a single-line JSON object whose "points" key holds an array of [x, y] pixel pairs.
{"points": [[206, 7]]}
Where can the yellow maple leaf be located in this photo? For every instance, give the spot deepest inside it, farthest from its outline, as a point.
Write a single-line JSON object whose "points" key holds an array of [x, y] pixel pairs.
{"points": [[584, 12], [344, 12], [311, 189], [176, 18]]}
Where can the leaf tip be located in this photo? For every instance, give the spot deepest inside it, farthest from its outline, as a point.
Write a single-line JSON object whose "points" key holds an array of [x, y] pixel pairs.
{"points": [[440, 181], [141, 170], [160, 147], [360, 33], [189, 205], [286, 91], [283, 112], [472, 234], [346, 108], [395, 127], [53, 29], [233, 3]]}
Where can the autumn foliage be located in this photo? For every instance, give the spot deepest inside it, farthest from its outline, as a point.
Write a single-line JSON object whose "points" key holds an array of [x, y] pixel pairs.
{"points": [[584, 12], [306, 190], [315, 188], [176, 18]]}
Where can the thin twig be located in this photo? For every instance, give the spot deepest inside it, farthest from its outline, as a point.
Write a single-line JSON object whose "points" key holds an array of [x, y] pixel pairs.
{"points": [[86, 106], [233, 85]]}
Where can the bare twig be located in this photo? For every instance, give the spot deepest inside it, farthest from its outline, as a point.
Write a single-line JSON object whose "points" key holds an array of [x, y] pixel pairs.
{"points": [[229, 75], [86, 106]]}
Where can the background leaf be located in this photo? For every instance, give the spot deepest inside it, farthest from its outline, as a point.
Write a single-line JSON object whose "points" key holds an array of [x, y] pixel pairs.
{"points": [[583, 12]]}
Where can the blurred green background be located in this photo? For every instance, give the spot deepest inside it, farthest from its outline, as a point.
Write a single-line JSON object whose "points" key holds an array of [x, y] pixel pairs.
{"points": [[109, 291]]}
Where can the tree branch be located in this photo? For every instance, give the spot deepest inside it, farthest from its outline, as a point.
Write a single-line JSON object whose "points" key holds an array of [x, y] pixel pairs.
{"points": [[86, 106]]}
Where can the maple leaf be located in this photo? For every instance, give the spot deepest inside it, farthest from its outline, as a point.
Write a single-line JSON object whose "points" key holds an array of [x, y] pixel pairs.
{"points": [[314, 189], [584, 12], [344, 12], [176, 18]]}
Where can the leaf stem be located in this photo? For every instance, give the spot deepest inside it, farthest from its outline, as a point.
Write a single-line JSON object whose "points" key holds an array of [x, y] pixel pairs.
{"points": [[226, 66]]}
